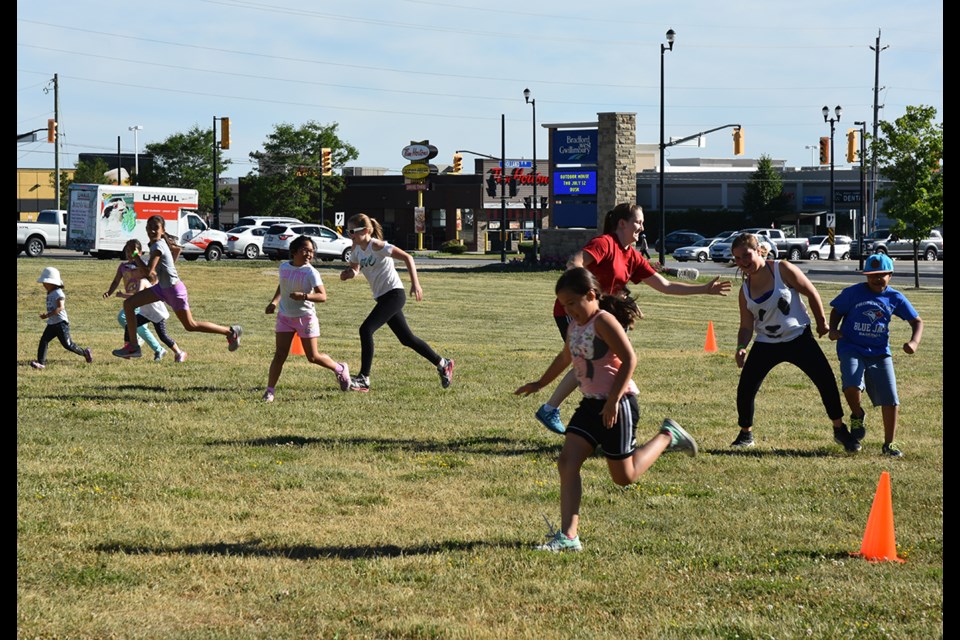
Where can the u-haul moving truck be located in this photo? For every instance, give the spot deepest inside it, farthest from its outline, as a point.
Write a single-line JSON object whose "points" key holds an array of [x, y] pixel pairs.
{"points": [[102, 218]]}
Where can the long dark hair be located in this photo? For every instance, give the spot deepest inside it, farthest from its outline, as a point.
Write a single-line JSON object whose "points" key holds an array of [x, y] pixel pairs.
{"points": [[621, 305]]}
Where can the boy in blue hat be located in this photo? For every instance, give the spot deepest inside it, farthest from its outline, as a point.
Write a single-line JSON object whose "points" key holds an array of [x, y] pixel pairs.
{"points": [[860, 322]]}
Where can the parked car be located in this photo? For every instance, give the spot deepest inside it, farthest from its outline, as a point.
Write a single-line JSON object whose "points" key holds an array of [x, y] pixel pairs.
{"points": [[820, 247], [50, 230], [722, 249], [265, 221], [699, 251], [245, 241], [327, 243], [676, 239], [884, 241]]}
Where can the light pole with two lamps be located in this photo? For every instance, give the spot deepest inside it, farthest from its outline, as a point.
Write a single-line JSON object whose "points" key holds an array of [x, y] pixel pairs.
{"points": [[136, 150], [536, 218], [833, 204], [671, 36]]}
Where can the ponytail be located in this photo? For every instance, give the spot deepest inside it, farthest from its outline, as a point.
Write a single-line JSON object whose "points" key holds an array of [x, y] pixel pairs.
{"points": [[371, 225]]}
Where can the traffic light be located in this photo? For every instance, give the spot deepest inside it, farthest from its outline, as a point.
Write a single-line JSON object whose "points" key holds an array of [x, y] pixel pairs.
{"points": [[738, 142], [326, 162], [51, 130], [457, 163], [851, 145], [825, 150], [224, 133]]}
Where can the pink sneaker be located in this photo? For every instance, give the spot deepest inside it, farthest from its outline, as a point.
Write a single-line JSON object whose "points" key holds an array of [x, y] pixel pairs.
{"points": [[87, 355], [180, 357], [343, 375], [37, 365]]}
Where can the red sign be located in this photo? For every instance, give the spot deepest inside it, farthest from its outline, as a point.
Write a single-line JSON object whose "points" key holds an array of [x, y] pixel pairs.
{"points": [[518, 176]]}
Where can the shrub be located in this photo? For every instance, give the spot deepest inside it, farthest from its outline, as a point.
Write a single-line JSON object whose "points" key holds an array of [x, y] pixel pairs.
{"points": [[453, 246]]}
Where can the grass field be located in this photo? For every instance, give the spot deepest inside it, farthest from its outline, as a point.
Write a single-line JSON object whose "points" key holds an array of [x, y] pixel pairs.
{"points": [[163, 500]]}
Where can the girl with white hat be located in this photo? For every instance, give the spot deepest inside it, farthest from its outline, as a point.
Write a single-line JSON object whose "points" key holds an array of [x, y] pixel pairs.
{"points": [[58, 326]]}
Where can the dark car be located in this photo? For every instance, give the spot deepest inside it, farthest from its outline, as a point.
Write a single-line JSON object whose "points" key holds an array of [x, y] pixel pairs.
{"points": [[677, 239]]}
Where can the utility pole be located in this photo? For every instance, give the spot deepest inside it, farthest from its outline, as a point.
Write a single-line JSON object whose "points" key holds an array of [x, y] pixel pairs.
{"points": [[56, 137], [876, 125]]}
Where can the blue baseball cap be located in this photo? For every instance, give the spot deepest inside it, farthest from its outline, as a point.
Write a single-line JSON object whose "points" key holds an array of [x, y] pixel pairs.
{"points": [[878, 263]]}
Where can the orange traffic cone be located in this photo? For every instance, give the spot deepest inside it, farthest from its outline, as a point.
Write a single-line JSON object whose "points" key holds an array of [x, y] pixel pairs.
{"points": [[296, 347], [879, 542], [710, 346]]}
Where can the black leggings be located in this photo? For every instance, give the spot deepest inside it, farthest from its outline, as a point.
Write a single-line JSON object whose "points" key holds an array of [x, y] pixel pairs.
{"points": [[804, 352], [61, 330], [159, 327], [389, 311]]}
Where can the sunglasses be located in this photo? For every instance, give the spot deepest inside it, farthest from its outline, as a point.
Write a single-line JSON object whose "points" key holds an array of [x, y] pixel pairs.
{"points": [[357, 230]]}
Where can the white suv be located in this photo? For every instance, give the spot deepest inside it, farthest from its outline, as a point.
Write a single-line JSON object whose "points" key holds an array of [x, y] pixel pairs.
{"points": [[265, 221], [327, 243]]}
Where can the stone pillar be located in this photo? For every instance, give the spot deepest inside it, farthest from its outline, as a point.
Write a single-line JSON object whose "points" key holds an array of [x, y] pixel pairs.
{"points": [[616, 162]]}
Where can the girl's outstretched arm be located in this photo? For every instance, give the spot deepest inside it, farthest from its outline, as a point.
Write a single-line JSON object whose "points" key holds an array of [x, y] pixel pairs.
{"points": [[798, 281], [273, 303], [558, 366], [715, 287], [114, 284]]}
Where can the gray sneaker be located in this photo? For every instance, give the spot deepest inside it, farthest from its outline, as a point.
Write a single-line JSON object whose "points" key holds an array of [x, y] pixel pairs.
{"points": [[233, 340], [842, 437], [857, 428], [744, 439], [680, 440]]}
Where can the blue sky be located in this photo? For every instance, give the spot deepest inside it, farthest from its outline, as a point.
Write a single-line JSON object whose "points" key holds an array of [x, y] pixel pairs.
{"points": [[392, 71]]}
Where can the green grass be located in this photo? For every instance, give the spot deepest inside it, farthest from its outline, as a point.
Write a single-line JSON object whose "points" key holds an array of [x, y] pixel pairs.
{"points": [[157, 500]]}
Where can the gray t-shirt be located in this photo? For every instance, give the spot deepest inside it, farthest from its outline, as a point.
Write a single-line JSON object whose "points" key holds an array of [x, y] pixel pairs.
{"points": [[53, 298], [167, 275]]}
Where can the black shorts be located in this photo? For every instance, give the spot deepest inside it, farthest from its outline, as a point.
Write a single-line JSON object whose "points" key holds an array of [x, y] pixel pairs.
{"points": [[617, 442]]}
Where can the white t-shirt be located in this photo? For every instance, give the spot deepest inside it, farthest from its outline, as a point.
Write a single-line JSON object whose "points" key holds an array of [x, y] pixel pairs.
{"points": [[378, 268], [303, 279]]}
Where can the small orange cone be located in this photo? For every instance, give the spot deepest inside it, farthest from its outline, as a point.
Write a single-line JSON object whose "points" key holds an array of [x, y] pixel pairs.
{"points": [[296, 347], [710, 346], [879, 543]]}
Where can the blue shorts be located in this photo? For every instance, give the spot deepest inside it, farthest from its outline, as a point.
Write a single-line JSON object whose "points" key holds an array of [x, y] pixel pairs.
{"points": [[617, 442], [873, 373]]}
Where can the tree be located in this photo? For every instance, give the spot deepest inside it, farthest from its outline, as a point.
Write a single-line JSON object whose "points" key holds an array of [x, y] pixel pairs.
{"points": [[763, 194], [85, 173], [287, 180], [185, 160], [909, 156]]}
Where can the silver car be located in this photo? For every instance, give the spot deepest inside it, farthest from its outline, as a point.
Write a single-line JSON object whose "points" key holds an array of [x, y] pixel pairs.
{"points": [[699, 251], [245, 241], [327, 243]]}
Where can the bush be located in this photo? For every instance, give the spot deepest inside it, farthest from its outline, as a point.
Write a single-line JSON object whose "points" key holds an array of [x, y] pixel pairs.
{"points": [[453, 246]]}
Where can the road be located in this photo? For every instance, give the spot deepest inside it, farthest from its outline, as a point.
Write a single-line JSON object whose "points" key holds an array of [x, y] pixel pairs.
{"points": [[841, 271]]}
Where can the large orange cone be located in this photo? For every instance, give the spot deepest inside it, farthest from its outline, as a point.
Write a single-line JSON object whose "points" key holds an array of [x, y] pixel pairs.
{"points": [[296, 347], [710, 346], [879, 543]]}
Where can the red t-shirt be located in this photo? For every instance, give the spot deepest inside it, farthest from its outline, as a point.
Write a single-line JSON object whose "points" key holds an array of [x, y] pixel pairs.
{"points": [[613, 265]]}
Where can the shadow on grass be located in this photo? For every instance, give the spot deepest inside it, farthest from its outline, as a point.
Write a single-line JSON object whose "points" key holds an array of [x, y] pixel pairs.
{"points": [[255, 548], [782, 453], [478, 445]]}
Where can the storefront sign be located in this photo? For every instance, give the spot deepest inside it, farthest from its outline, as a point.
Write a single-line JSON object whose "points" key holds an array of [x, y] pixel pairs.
{"points": [[575, 183], [416, 171]]}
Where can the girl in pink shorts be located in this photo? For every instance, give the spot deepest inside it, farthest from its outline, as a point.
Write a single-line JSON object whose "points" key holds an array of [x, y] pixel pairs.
{"points": [[300, 287]]}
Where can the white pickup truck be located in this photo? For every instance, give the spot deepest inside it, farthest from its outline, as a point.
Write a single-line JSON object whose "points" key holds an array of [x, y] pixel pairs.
{"points": [[50, 230], [778, 243]]}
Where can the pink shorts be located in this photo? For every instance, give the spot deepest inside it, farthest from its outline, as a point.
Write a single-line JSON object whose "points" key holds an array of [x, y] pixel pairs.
{"points": [[305, 326], [175, 297]]}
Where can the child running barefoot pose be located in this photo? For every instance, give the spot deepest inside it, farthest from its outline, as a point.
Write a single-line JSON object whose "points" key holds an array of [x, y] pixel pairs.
{"points": [[58, 326], [131, 273], [170, 290], [300, 287], [604, 361], [375, 258]]}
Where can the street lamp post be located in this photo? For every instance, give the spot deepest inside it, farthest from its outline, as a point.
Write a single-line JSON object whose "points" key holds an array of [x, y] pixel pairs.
{"points": [[862, 227], [813, 154], [535, 202], [833, 204], [136, 150], [671, 35]]}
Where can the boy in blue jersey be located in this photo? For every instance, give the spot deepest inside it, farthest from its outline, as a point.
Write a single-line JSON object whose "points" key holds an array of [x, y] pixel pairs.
{"points": [[860, 323]]}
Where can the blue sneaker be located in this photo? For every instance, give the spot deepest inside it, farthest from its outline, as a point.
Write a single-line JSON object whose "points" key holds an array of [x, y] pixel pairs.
{"points": [[680, 440], [558, 542], [550, 418]]}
